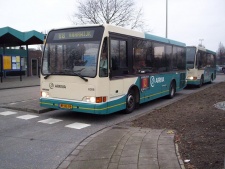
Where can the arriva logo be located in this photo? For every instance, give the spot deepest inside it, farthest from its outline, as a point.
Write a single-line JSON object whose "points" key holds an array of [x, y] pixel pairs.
{"points": [[154, 80]]}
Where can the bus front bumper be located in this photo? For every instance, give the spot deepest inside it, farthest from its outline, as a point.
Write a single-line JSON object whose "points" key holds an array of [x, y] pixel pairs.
{"points": [[74, 106], [84, 107], [193, 82]]}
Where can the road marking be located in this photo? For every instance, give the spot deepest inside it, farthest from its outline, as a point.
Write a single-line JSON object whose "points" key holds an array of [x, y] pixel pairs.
{"points": [[26, 117], [46, 121], [12, 103], [77, 125], [50, 121], [7, 113]]}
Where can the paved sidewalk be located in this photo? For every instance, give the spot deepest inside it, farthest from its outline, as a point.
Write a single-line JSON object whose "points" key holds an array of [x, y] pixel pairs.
{"points": [[126, 148], [14, 82]]}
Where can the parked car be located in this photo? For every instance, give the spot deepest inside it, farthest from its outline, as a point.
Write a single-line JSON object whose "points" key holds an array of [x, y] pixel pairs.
{"points": [[220, 68], [223, 69]]}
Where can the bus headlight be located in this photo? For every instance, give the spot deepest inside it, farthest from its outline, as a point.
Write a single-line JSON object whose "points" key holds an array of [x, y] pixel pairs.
{"points": [[89, 99], [192, 78], [44, 94]]}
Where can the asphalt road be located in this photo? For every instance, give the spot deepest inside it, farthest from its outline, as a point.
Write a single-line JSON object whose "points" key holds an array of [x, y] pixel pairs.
{"points": [[44, 140]]}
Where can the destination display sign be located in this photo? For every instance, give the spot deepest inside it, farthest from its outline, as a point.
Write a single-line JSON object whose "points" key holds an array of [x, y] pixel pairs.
{"points": [[74, 35]]}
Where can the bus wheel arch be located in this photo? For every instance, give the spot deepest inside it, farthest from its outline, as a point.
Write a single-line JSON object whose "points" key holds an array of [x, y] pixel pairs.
{"points": [[132, 100], [172, 89]]}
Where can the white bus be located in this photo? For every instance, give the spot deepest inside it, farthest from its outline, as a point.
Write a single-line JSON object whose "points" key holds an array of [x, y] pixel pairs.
{"points": [[201, 65], [102, 69]]}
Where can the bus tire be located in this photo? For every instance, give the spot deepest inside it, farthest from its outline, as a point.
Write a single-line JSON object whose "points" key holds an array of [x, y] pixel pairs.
{"points": [[211, 79], [201, 81], [130, 101], [172, 90]]}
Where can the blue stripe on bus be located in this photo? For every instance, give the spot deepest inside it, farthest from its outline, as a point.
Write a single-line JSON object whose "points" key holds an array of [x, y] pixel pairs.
{"points": [[164, 40]]}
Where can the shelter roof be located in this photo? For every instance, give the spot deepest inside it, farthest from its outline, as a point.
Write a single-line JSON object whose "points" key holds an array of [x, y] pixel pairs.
{"points": [[13, 37]]}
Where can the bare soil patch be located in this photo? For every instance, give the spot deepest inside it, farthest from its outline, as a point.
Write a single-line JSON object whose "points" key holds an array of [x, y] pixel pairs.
{"points": [[199, 124]]}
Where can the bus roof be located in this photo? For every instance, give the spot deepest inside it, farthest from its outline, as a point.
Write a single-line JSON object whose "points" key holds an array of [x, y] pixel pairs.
{"points": [[203, 49], [164, 40], [130, 32], [142, 35]]}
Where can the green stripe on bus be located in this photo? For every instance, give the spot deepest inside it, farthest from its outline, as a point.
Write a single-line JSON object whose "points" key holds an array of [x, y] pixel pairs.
{"points": [[155, 94]]}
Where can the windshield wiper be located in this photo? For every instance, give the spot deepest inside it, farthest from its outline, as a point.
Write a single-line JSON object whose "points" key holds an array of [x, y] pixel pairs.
{"points": [[77, 74], [66, 72], [46, 77], [55, 73]]}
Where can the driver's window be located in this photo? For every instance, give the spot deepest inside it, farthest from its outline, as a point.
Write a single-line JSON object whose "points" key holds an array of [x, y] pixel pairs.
{"points": [[103, 65]]}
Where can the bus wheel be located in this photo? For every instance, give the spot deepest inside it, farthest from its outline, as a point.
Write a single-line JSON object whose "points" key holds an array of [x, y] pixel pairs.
{"points": [[201, 82], [211, 79], [130, 102], [172, 90]]}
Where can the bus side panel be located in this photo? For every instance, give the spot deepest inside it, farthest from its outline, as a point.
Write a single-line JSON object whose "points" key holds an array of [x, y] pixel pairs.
{"points": [[178, 77], [168, 78], [208, 73], [118, 93], [156, 86], [117, 104], [150, 87]]}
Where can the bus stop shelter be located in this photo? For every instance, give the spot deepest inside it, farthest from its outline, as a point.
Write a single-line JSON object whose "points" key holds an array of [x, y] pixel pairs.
{"points": [[10, 37]]}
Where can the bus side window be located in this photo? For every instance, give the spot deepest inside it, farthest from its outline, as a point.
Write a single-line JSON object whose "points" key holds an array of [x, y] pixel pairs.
{"points": [[115, 54], [159, 55], [103, 66], [118, 56], [198, 62], [141, 56]]}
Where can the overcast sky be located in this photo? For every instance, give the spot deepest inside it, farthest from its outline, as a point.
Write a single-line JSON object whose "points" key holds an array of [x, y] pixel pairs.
{"points": [[188, 20]]}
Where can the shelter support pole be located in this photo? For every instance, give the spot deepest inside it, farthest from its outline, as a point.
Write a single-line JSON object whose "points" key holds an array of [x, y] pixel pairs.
{"points": [[28, 64], [1, 68]]}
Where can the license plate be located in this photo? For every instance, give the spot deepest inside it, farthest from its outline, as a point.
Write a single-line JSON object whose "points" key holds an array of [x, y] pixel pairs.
{"points": [[66, 106]]}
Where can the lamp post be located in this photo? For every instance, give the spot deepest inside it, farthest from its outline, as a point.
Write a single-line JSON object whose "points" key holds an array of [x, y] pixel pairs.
{"points": [[201, 41], [166, 18]]}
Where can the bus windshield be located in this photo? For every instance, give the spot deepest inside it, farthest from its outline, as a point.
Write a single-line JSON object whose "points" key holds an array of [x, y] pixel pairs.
{"points": [[190, 54], [71, 52]]}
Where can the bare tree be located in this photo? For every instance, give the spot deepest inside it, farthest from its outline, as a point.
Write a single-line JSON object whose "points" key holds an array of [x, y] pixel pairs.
{"points": [[221, 54], [117, 12]]}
